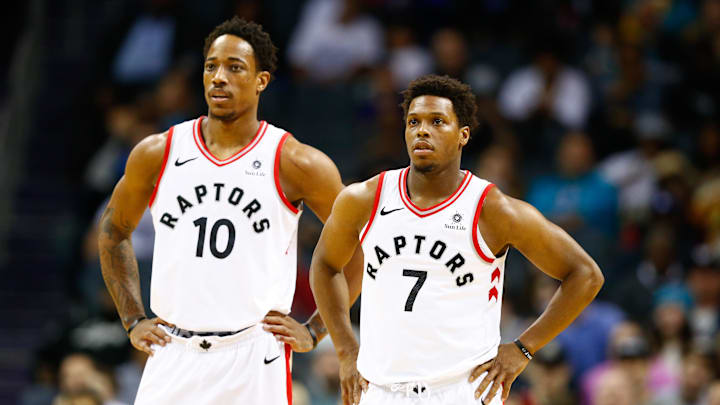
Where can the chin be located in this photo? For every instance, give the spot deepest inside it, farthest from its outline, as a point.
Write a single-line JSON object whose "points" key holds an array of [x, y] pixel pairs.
{"points": [[423, 167], [222, 115]]}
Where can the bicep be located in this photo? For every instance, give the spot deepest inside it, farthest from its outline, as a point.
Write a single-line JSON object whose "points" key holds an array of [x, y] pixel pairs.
{"points": [[132, 193], [338, 241], [542, 242], [319, 181]]}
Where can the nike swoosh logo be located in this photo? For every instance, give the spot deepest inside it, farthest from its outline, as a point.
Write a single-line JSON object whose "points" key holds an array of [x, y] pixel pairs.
{"points": [[179, 163], [383, 212], [271, 360]]}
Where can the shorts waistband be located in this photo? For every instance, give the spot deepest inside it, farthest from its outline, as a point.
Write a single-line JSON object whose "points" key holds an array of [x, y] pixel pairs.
{"points": [[425, 387], [213, 342], [189, 333]]}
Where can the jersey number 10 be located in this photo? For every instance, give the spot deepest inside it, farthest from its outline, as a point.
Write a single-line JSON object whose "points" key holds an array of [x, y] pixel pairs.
{"points": [[220, 254]]}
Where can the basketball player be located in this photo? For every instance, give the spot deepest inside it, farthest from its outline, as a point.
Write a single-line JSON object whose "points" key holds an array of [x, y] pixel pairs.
{"points": [[225, 193], [435, 240]]}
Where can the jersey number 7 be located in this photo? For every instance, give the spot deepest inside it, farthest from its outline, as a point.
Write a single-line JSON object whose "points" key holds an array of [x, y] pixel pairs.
{"points": [[421, 277]]}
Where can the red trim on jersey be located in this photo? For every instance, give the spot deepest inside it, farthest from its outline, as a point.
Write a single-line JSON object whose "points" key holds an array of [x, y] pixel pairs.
{"points": [[200, 142], [425, 212], [168, 143], [475, 230], [276, 174], [288, 373], [375, 205]]}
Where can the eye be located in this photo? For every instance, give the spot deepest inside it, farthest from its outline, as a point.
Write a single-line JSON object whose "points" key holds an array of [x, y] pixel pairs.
{"points": [[438, 121], [236, 68], [209, 67], [412, 121]]}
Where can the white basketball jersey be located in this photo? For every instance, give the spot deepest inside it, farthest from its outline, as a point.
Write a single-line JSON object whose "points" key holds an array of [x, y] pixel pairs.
{"points": [[432, 289], [225, 234]]}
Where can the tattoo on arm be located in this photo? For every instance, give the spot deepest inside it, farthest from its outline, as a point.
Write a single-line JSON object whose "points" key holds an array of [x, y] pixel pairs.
{"points": [[119, 267]]}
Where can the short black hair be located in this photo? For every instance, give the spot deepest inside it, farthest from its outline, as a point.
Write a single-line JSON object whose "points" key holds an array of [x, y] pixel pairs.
{"points": [[460, 94], [265, 52]]}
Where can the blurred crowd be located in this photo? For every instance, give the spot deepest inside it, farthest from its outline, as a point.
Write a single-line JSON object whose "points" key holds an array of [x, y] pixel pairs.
{"points": [[603, 115]]}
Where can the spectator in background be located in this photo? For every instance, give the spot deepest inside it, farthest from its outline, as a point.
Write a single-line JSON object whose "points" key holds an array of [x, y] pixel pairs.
{"points": [[576, 197], [149, 43], [172, 99], [629, 354], [704, 281], [496, 164], [128, 375], [659, 267], [407, 60], [334, 40], [632, 171], [614, 388], [585, 341], [707, 151], [713, 397], [79, 373], [696, 376], [324, 387], [672, 336], [547, 87], [126, 126], [705, 214], [549, 377], [87, 397], [450, 52]]}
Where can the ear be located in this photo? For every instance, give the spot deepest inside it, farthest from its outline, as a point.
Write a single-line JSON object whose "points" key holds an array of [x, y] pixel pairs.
{"points": [[262, 79], [464, 135]]}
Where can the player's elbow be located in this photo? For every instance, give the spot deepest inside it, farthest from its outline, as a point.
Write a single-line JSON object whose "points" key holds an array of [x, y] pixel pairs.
{"points": [[320, 271], [594, 278]]}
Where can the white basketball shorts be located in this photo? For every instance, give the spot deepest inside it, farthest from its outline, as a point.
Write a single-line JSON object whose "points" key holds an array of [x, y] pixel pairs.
{"points": [[250, 367], [452, 391]]}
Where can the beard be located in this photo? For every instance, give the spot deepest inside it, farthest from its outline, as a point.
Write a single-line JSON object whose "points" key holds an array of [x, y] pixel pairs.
{"points": [[225, 117], [424, 167]]}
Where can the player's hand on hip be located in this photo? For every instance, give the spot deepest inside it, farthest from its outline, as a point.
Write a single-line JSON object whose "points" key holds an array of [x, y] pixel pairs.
{"points": [[351, 382], [501, 372], [147, 332], [288, 330]]}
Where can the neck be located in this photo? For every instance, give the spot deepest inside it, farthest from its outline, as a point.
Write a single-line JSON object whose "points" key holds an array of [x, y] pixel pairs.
{"points": [[229, 133], [437, 183]]}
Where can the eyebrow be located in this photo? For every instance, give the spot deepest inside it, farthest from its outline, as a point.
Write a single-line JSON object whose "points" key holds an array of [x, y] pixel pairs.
{"points": [[429, 113], [233, 58]]}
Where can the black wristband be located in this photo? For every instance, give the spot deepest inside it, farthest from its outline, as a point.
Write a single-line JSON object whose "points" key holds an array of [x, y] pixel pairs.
{"points": [[135, 323], [312, 335], [523, 349]]}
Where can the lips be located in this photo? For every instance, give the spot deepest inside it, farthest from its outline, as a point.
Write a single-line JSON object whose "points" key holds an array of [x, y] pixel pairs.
{"points": [[219, 95], [422, 145]]}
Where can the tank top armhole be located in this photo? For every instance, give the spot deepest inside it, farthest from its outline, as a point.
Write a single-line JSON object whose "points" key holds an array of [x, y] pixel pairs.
{"points": [[166, 155], [378, 193], [480, 246], [276, 175]]}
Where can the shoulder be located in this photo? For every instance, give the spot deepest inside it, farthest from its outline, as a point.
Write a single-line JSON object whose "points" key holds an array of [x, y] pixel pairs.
{"points": [[303, 158], [356, 201], [362, 193], [307, 173], [503, 216], [498, 206], [147, 157]]}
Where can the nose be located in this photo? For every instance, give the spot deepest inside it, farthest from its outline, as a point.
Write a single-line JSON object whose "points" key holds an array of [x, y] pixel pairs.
{"points": [[219, 79], [423, 130]]}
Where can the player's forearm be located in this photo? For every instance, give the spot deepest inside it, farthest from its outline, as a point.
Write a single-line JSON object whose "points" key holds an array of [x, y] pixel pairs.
{"points": [[353, 276], [576, 291], [332, 297], [120, 270]]}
